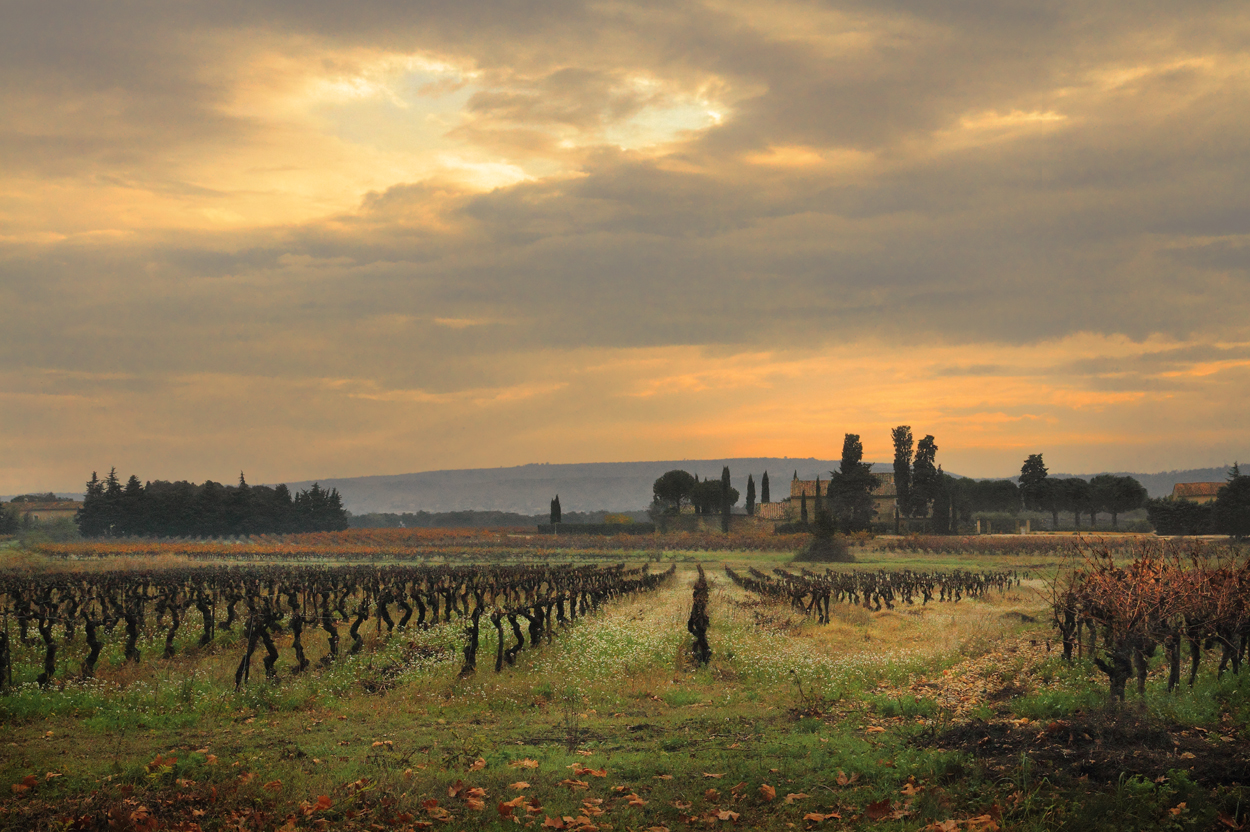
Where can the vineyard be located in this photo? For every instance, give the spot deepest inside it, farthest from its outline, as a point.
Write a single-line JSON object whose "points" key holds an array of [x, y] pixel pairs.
{"points": [[428, 679], [1177, 597], [382, 545], [263, 602], [812, 594]]}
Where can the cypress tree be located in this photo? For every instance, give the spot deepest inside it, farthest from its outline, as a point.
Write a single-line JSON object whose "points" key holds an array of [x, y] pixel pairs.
{"points": [[555, 510], [750, 495], [764, 489], [724, 500], [903, 452], [803, 508]]}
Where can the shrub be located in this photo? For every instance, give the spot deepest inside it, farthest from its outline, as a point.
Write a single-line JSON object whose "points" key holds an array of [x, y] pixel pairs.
{"points": [[826, 550]]}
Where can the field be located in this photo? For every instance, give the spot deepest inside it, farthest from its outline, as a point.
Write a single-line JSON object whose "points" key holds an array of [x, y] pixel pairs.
{"points": [[942, 715]]}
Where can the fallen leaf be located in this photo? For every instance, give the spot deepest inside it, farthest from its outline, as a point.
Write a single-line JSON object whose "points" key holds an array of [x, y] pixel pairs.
{"points": [[663, 777], [324, 802], [523, 764], [553, 823], [635, 800], [790, 798], [880, 809], [715, 776], [520, 785], [272, 785], [874, 729], [574, 785], [725, 814], [478, 765], [711, 794], [768, 792]]}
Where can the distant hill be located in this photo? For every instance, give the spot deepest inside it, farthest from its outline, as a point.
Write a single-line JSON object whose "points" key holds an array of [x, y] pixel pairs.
{"points": [[528, 489], [611, 486]]}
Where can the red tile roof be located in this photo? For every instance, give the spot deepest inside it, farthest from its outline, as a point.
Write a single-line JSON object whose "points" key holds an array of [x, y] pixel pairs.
{"points": [[1190, 490]]}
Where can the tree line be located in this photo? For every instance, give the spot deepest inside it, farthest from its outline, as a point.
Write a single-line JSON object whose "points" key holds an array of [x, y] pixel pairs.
{"points": [[184, 509]]}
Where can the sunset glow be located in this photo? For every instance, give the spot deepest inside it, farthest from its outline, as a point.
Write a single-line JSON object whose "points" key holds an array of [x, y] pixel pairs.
{"points": [[317, 243]]}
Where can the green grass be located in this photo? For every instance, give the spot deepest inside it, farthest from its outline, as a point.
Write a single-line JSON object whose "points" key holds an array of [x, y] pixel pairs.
{"points": [[790, 705]]}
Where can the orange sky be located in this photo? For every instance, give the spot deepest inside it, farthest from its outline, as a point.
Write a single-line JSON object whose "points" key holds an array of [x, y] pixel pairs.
{"points": [[310, 242]]}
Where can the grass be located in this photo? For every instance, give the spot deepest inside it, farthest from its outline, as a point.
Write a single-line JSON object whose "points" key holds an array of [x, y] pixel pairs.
{"points": [[838, 720]]}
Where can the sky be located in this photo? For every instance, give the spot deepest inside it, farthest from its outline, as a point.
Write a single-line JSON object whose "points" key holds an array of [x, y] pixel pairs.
{"points": [[319, 239]]}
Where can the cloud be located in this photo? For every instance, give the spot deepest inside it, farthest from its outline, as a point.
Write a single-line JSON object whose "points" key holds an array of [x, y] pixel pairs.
{"points": [[427, 203]]}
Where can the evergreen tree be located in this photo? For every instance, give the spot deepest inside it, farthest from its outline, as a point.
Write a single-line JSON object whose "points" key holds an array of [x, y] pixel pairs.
{"points": [[750, 495], [112, 503], [90, 516], [1231, 511], [924, 478], [131, 518], [673, 488], [903, 453], [803, 508], [764, 489], [555, 510], [1039, 491], [724, 500], [851, 487]]}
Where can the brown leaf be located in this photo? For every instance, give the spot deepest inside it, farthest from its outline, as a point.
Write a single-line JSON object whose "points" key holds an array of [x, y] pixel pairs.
{"points": [[324, 802], [553, 823], [790, 798], [768, 792], [478, 765], [711, 794], [574, 785], [523, 764], [725, 814], [663, 777], [716, 776], [474, 803], [272, 786], [880, 809], [635, 800], [520, 785]]}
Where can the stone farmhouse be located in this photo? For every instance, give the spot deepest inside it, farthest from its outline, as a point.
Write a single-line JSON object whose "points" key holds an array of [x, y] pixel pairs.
{"points": [[790, 508], [46, 511], [1197, 492]]}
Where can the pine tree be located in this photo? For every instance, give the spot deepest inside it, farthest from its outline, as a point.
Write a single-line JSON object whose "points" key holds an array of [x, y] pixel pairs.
{"points": [[90, 517], [131, 504], [750, 495], [112, 507], [764, 496]]}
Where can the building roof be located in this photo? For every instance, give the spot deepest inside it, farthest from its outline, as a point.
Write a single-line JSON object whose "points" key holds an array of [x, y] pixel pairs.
{"points": [[1190, 490]]}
